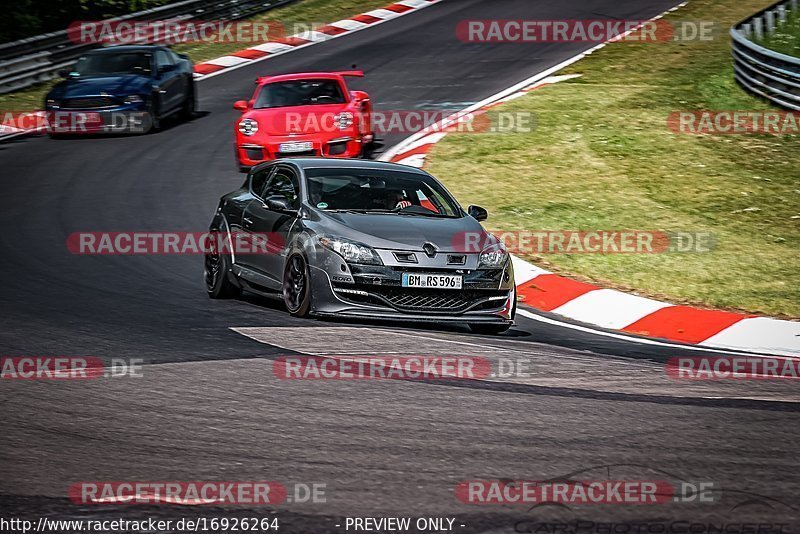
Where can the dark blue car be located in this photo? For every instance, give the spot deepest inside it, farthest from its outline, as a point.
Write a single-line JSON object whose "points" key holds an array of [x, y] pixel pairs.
{"points": [[122, 89]]}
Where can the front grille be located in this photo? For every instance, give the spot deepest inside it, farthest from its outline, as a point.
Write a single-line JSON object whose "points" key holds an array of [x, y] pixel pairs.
{"points": [[426, 300], [336, 149], [88, 103]]}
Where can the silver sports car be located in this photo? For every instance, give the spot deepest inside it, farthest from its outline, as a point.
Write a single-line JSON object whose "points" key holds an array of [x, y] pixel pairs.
{"points": [[360, 239]]}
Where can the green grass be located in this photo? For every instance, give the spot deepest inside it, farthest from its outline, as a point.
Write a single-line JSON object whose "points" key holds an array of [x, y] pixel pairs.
{"points": [[603, 158], [786, 39], [305, 12]]}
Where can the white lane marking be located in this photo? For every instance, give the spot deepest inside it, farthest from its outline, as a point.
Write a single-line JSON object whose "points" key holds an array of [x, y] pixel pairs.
{"points": [[348, 24], [311, 35], [272, 48], [412, 3], [429, 139], [417, 161], [609, 309], [760, 334], [292, 49], [382, 14], [227, 61], [632, 339], [525, 271]]}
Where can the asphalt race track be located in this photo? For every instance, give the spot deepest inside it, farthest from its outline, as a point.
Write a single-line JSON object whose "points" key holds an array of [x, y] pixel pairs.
{"points": [[208, 406]]}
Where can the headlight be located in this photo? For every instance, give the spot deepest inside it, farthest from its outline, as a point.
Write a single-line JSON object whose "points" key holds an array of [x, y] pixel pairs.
{"points": [[248, 127], [344, 120], [133, 99], [493, 256], [52, 103], [351, 251]]}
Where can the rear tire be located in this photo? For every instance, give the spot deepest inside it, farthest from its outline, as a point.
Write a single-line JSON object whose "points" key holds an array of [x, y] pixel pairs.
{"points": [[152, 113], [297, 286], [218, 277]]}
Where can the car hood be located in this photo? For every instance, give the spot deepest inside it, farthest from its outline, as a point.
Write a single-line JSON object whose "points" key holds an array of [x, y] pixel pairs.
{"points": [[296, 119], [124, 85], [403, 232]]}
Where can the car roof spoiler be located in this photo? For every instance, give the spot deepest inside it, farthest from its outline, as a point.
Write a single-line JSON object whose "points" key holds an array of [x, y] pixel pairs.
{"points": [[355, 73]]}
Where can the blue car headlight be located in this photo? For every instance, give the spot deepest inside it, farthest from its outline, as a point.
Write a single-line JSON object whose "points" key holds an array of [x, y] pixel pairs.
{"points": [[52, 103], [351, 251], [134, 99]]}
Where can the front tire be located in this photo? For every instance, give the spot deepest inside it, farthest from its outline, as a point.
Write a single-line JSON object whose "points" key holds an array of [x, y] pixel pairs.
{"points": [[189, 105], [297, 286], [218, 277]]}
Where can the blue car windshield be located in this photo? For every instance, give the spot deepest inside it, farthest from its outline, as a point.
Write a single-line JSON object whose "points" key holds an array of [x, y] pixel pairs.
{"points": [[299, 93], [379, 191], [113, 63]]}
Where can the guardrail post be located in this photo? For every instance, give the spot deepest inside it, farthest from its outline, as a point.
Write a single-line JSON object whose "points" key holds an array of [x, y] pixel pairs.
{"points": [[758, 27], [769, 16], [782, 14], [747, 29], [794, 4]]}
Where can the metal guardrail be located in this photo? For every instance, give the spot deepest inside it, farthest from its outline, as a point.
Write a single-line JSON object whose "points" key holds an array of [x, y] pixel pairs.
{"points": [[37, 59], [760, 70]]}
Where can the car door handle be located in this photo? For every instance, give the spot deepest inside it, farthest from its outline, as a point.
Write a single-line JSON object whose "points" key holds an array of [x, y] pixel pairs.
{"points": [[247, 220]]}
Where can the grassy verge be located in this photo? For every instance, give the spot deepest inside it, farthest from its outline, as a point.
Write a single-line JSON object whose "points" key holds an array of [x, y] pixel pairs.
{"points": [[786, 38], [603, 158], [303, 12]]}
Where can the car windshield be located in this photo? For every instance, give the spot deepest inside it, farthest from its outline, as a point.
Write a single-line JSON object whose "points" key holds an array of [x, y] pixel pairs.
{"points": [[299, 93], [379, 191], [113, 63]]}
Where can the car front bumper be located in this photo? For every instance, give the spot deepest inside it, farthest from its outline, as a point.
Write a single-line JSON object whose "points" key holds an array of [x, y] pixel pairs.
{"points": [[487, 297], [253, 150]]}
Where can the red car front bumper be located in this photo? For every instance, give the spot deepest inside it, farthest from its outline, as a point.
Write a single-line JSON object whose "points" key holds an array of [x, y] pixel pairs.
{"points": [[255, 149]]}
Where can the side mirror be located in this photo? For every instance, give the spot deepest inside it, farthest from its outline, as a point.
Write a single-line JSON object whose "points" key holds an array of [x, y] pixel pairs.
{"points": [[241, 105], [278, 203], [478, 213], [358, 96]]}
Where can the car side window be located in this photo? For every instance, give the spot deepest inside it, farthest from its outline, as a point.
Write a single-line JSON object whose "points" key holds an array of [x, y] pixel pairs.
{"points": [[285, 183], [162, 59], [259, 181]]}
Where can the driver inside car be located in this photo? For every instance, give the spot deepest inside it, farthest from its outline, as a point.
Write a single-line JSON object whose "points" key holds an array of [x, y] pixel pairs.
{"points": [[397, 201]]}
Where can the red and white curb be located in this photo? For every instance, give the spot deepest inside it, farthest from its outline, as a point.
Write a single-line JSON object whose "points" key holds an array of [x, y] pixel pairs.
{"points": [[607, 308], [263, 51]]}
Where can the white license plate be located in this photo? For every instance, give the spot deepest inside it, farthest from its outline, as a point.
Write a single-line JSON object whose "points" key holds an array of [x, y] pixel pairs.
{"points": [[438, 281], [296, 147]]}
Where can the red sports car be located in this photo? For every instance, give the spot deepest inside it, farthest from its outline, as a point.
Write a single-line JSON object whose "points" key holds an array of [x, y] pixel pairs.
{"points": [[309, 114]]}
